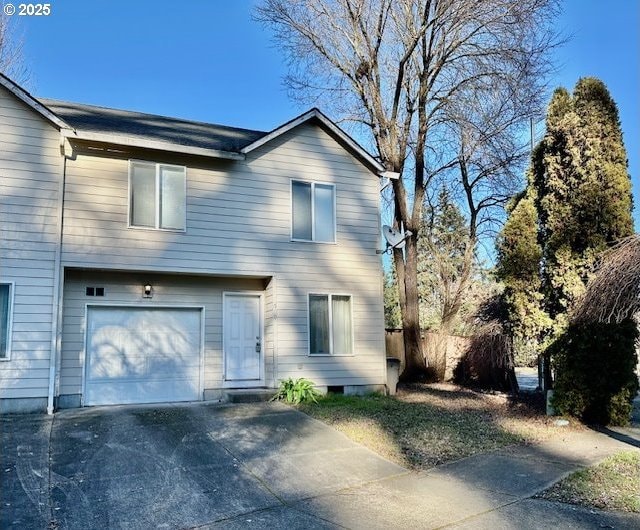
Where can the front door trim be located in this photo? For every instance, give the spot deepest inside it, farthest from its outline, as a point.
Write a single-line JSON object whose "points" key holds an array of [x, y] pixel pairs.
{"points": [[248, 383]]}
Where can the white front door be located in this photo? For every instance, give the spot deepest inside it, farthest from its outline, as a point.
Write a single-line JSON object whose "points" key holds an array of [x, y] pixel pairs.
{"points": [[243, 348]]}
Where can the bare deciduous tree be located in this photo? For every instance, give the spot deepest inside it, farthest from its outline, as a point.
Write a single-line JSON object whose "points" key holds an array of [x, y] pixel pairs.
{"points": [[11, 58], [404, 70], [484, 126]]}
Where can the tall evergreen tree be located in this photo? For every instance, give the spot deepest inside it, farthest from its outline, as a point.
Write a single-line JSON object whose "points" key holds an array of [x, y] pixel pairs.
{"points": [[583, 190], [576, 204], [519, 258], [392, 316]]}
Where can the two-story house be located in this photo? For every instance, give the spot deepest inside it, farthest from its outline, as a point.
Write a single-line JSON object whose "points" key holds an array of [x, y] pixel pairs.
{"points": [[149, 259]]}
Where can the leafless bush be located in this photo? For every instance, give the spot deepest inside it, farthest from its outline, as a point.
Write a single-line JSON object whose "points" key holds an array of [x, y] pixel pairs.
{"points": [[613, 293], [488, 361]]}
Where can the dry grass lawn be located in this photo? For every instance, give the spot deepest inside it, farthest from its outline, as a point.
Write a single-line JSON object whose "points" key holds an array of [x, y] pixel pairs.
{"points": [[614, 484], [426, 425]]}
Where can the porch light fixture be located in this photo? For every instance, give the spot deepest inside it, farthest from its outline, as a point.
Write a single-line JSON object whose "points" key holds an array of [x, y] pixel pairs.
{"points": [[147, 291]]}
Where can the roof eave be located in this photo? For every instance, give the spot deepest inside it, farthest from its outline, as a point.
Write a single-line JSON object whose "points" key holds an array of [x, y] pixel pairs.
{"points": [[129, 141], [32, 102], [352, 145]]}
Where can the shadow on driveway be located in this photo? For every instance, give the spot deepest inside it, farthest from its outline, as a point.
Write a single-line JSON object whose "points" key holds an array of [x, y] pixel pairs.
{"points": [[174, 466], [267, 466]]}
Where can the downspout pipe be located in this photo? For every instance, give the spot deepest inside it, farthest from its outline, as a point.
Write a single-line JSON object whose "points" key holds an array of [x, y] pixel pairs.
{"points": [[56, 303]]}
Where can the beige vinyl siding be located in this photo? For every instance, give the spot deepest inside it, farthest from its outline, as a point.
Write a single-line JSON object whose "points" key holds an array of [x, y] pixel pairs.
{"points": [[126, 288], [30, 174], [239, 223], [269, 339]]}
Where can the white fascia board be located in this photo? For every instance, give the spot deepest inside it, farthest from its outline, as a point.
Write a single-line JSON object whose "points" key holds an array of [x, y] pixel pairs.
{"points": [[27, 98], [130, 141], [326, 122]]}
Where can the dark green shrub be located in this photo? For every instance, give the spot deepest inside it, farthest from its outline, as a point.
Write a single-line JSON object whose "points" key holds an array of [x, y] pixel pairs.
{"points": [[595, 372]]}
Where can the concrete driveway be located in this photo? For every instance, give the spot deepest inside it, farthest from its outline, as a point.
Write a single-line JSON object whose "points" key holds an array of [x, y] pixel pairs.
{"points": [[268, 466], [175, 466]]}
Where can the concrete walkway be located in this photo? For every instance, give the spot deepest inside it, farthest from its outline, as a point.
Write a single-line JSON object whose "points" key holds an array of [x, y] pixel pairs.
{"points": [[268, 466], [527, 378], [487, 491]]}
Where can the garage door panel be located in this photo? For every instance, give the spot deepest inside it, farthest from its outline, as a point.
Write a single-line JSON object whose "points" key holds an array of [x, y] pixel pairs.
{"points": [[113, 353], [130, 392], [116, 366], [167, 368], [142, 355]]}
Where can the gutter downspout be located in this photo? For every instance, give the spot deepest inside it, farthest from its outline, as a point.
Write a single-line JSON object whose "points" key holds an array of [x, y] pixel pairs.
{"points": [[56, 304], [388, 175]]}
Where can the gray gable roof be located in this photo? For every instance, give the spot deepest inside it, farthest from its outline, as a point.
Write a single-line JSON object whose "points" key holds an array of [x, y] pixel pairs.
{"points": [[77, 121], [90, 118]]}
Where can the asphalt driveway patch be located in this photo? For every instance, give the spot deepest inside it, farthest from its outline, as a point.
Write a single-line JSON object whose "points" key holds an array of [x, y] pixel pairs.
{"points": [[265, 466], [175, 466], [24, 471]]}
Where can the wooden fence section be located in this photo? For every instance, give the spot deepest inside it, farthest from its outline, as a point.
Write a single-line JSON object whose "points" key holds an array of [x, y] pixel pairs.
{"points": [[455, 348]]}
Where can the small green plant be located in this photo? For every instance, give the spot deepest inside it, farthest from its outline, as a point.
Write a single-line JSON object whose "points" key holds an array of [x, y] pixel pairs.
{"points": [[298, 391]]}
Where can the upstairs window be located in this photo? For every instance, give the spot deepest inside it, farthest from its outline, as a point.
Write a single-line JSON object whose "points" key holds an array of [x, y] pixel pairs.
{"points": [[313, 211], [157, 196], [6, 299], [330, 325]]}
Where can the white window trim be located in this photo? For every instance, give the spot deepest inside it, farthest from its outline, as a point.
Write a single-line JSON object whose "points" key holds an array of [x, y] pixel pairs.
{"points": [[12, 290], [157, 226], [313, 212], [353, 325]]}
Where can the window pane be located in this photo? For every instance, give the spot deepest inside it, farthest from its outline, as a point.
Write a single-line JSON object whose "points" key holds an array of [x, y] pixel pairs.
{"points": [[341, 313], [318, 324], [324, 213], [172, 202], [301, 202], [4, 319], [143, 195]]}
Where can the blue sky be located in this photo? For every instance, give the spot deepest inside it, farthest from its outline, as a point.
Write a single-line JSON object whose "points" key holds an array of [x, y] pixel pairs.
{"points": [[206, 60]]}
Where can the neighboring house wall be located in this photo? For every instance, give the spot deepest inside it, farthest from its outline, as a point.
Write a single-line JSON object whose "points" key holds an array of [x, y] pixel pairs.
{"points": [[239, 223], [30, 176]]}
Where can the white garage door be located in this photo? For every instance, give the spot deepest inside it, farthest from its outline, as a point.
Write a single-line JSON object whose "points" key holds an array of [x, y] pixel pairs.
{"points": [[142, 355]]}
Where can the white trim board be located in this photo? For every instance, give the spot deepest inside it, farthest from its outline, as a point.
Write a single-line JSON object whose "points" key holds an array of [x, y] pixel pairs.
{"points": [[130, 141]]}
